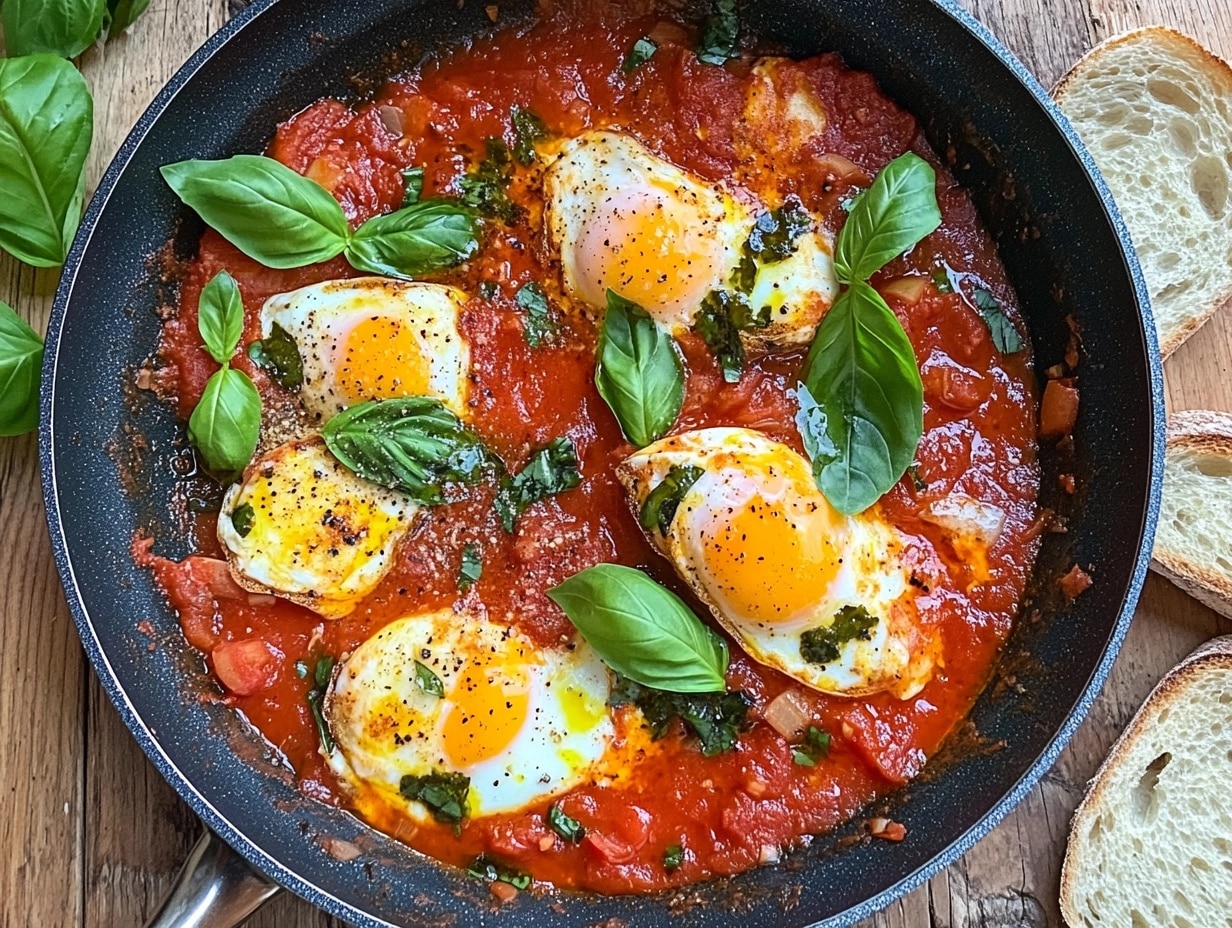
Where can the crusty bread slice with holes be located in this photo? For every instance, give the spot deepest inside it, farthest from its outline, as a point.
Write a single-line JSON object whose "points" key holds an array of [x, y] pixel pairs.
{"points": [[1155, 109], [1151, 844], [1193, 543]]}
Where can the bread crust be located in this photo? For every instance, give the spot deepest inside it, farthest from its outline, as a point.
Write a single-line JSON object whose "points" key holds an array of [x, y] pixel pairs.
{"points": [[1204, 432], [1216, 654], [1178, 45]]}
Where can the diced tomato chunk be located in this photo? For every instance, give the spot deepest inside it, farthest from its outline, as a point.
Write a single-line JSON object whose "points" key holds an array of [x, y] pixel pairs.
{"points": [[1058, 409], [607, 849], [1075, 583], [245, 667], [886, 739]]}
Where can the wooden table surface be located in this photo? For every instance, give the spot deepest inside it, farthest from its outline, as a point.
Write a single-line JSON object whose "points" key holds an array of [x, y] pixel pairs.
{"points": [[90, 834]]}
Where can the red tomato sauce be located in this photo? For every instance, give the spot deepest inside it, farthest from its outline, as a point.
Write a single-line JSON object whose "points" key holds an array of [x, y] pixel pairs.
{"points": [[727, 812]]}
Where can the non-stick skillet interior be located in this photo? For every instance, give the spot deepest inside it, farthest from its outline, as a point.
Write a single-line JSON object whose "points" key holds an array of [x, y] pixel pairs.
{"points": [[1062, 254]]}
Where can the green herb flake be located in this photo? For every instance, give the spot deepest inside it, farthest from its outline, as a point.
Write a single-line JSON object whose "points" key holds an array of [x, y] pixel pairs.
{"points": [[720, 320], [775, 233], [486, 869], [413, 180], [552, 469], [443, 793], [278, 355], [659, 508], [716, 719], [488, 289], [568, 828], [721, 34], [642, 51], [1004, 336], [485, 188], [528, 131], [673, 857], [814, 747], [323, 672], [920, 484], [301, 669], [427, 681], [823, 645], [802, 759], [242, 517], [316, 700], [471, 569], [539, 322], [941, 280]]}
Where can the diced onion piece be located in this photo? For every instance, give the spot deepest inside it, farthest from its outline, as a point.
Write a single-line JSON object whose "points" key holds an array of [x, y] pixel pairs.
{"points": [[391, 119], [769, 854], [843, 169], [907, 289], [788, 714], [965, 517], [216, 576], [1058, 409], [341, 850], [1075, 583]]}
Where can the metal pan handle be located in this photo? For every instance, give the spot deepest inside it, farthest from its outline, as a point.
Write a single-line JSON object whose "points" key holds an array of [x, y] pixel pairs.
{"points": [[215, 889]]}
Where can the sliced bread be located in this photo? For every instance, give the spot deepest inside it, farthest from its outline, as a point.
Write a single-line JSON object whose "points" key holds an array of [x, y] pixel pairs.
{"points": [[1151, 844], [1155, 109], [1193, 544]]}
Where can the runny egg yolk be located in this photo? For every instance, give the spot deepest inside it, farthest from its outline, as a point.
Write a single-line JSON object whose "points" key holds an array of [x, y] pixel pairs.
{"points": [[489, 707], [650, 245], [379, 359], [769, 561]]}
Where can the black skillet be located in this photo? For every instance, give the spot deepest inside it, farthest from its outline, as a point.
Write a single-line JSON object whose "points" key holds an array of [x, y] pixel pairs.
{"points": [[1066, 251]]}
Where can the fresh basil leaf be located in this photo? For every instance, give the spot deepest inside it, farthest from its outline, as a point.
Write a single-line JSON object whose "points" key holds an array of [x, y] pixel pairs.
{"points": [[46, 126], [673, 857], [552, 469], [485, 188], [639, 375], [814, 747], [528, 131], [892, 216], [865, 401], [1004, 336], [316, 704], [444, 794], [659, 508], [323, 672], [917, 481], [539, 322], [471, 569], [263, 208], [430, 235], [21, 358], [413, 178], [715, 718], [56, 27], [242, 517], [301, 669], [568, 828], [824, 645], [413, 444], [642, 630], [123, 13], [226, 424], [428, 681], [776, 232], [720, 320], [642, 51], [721, 34], [942, 280], [278, 355], [220, 316], [485, 868]]}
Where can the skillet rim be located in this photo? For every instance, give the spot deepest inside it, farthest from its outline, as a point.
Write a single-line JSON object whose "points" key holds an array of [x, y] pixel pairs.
{"points": [[288, 878]]}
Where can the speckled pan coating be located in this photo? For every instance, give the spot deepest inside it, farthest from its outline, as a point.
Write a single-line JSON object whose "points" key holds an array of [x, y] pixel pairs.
{"points": [[1066, 250]]}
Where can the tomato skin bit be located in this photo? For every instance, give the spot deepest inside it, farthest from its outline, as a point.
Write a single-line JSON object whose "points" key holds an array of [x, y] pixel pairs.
{"points": [[244, 667]]}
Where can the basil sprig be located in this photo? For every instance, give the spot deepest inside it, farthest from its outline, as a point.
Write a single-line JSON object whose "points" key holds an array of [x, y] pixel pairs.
{"points": [[58, 27], [639, 375], [642, 630], [21, 357], [720, 41], [551, 469], [861, 398], [46, 126], [284, 220], [226, 423]]}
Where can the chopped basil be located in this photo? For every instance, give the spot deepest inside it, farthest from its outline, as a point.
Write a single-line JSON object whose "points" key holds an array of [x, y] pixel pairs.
{"points": [[823, 645], [485, 188], [659, 508], [539, 322], [917, 481], [775, 233], [721, 34], [321, 675], [715, 718], [413, 178], [485, 868], [241, 517], [721, 319], [301, 669], [471, 569], [642, 51], [568, 828], [1004, 336], [673, 857], [552, 469], [427, 236], [488, 289], [941, 280], [324, 670], [816, 745], [443, 793], [528, 131], [278, 355], [428, 681]]}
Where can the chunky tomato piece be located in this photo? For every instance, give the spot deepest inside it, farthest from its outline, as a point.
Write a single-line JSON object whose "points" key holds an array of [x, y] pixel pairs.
{"points": [[245, 667]]}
